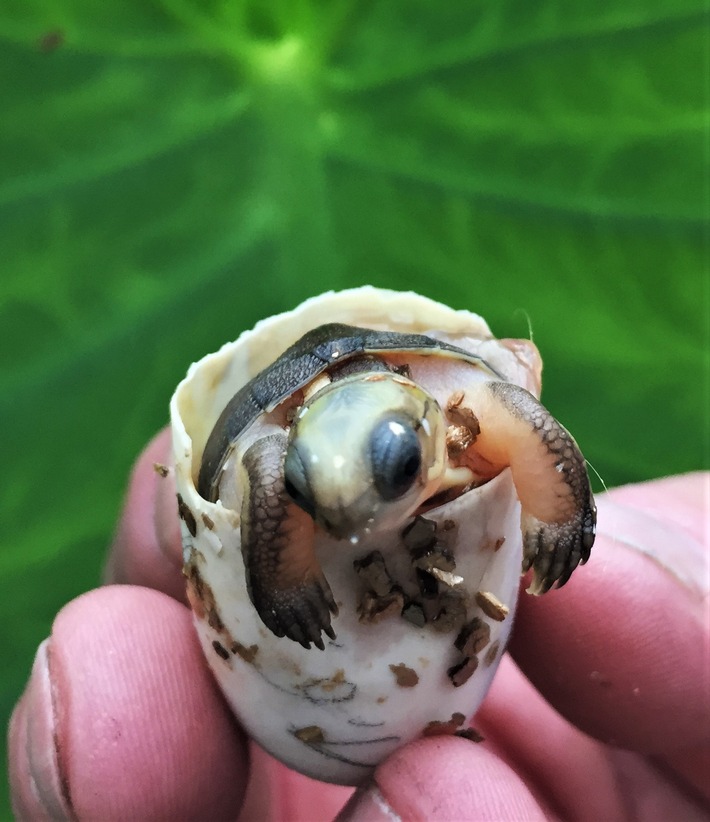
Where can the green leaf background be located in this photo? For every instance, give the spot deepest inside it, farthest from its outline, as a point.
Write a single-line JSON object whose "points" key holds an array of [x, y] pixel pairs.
{"points": [[173, 170]]}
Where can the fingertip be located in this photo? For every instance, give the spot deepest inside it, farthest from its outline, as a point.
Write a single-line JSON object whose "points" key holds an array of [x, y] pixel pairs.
{"points": [[276, 793], [622, 650], [444, 778], [527, 733], [131, 695], [147, 549]]}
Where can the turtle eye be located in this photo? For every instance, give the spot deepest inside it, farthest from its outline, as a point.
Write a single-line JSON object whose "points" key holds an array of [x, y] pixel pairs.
{"points": [[395, 456], [296, 481]]}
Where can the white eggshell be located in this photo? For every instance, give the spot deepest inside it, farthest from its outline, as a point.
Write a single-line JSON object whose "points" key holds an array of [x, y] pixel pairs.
{"points": [[335, 714]]}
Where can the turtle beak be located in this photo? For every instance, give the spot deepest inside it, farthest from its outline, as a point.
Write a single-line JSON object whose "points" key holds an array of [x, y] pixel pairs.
{"points": [[349, 518], [339, 524]]}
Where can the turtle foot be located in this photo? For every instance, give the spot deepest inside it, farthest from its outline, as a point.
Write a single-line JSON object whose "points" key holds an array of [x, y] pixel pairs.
{"points": [[301, 614], [554, 550]]}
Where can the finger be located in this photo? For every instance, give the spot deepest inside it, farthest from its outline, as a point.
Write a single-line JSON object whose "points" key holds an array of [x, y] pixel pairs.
{"points": [[622, 651], [572, 774], [445, 778], [680, 498], [121, 718], [558, 762], [147, 549], [276, 793]]}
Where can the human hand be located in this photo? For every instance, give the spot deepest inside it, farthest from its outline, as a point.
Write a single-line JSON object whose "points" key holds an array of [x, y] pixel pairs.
{"points": [[121, 718]]}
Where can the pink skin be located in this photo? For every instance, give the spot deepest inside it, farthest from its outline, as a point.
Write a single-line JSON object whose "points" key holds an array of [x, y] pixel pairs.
{"points": [[121, 719]]}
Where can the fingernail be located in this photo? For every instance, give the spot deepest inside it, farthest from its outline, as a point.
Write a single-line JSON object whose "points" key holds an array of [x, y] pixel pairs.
{"points": [[47, 794], [674, 550], [368, 805]]}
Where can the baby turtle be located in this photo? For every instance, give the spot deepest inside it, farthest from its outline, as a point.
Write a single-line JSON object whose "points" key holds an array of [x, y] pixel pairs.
{"points": [[368, 447]]}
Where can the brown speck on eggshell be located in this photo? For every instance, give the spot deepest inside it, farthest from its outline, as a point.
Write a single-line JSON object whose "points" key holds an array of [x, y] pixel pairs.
{"points": [[220, 649], [332, 682], [447, 612], [428, 586], [202, 598], [208, 522], [492, 606], [419, 535], [372, 570], [195, 589], [414, 613], [493, 544], [406, 677], [473, 637], [491, 653], [287, 663], [160, 469], [214, 620], [471, 734], [186, 515], [462, 671], [247, 654], [449, 726], [381, 597], [311, 734], [373, 609]]}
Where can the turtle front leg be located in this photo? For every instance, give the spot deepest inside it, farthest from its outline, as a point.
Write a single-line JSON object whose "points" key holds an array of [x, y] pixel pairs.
{"points": [[284, 580], [549, 473]]}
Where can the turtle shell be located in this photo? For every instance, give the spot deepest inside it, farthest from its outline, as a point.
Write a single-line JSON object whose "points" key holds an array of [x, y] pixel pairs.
{"points": [[316, 352]]}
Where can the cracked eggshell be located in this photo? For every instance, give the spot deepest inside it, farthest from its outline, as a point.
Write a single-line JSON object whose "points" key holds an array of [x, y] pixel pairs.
{"points": [[335, 714]]}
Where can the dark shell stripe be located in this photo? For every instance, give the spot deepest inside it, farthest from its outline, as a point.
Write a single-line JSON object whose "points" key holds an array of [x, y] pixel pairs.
{"points": [[310, 356]]}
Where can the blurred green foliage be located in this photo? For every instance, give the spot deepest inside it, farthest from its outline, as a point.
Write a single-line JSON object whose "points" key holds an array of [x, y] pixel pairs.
{"points": [[173, 170]]}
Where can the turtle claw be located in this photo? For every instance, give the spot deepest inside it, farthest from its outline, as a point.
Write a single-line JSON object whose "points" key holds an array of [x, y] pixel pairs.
{"points": [[554, 550], [301, 614]]}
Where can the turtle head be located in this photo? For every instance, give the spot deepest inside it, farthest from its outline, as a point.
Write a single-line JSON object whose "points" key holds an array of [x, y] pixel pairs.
{"points": [[365, 452]]}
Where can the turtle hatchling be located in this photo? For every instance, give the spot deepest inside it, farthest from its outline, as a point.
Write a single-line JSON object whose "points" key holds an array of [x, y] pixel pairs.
{"points": [[360, 482]]}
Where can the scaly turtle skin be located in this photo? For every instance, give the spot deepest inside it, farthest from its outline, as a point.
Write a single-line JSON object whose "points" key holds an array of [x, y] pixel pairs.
{"points": [[368, 447]]}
